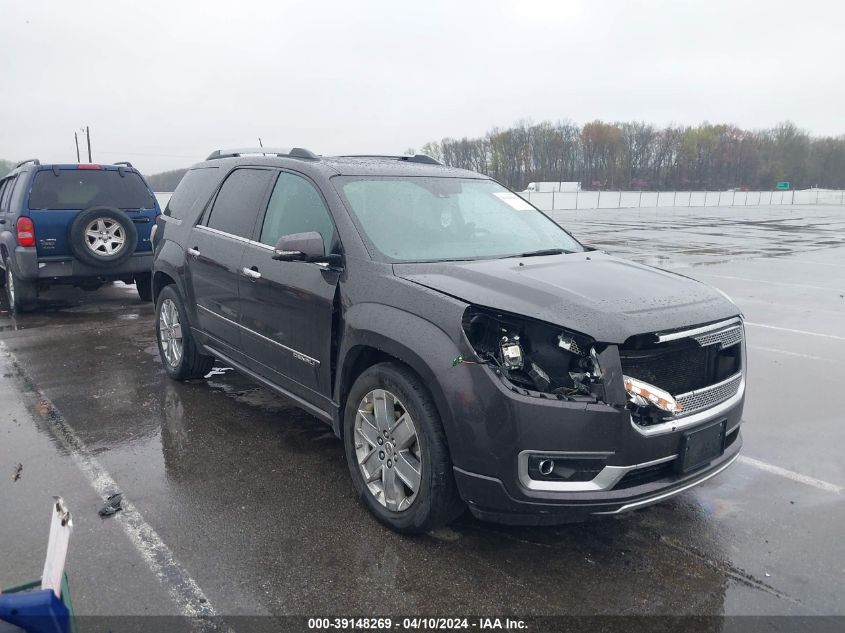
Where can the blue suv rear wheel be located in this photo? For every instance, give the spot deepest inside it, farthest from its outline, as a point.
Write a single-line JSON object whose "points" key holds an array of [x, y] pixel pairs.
{"points": [[22, 295]]}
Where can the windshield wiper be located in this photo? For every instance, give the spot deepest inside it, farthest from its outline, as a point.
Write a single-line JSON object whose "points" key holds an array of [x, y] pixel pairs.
{"points": [[545, 251]]}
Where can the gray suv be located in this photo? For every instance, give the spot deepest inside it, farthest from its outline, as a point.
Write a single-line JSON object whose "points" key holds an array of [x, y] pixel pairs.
{"points": [[467, 349]]}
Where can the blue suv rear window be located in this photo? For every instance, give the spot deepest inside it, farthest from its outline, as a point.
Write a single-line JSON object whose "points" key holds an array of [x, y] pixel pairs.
{"points": [[83, 188]]}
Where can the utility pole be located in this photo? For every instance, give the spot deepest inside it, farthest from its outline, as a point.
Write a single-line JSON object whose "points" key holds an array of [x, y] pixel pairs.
{"points": [[88, 136], [260, 144], [76, 139]]}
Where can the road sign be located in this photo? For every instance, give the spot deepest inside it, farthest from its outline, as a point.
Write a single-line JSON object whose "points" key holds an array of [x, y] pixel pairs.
{"points": [[783, 184]]}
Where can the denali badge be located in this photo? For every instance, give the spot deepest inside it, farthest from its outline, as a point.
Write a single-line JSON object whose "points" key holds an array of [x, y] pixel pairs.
{"points": [[304, 358]]}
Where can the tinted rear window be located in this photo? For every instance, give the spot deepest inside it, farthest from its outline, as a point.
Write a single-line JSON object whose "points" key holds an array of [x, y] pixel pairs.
{"points": [[83, 188], [240, 200], [6, 187], [192, 191]]}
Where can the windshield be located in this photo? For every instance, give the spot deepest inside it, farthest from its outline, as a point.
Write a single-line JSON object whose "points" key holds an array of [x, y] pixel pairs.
{"points": [[83, 188], [441, 219]]}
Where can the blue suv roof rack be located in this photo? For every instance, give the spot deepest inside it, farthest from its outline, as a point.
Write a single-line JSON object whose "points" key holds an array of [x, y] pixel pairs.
{"points": [[34, 161], [295, 152], [410, 158]]}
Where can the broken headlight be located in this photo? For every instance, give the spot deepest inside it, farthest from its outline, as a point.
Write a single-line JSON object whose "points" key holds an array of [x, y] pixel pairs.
{"points": [[535, 358], [642, 394]]}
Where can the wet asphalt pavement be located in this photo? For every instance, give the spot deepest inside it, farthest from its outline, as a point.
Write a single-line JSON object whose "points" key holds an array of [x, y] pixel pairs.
{"points": [[241, 503]]}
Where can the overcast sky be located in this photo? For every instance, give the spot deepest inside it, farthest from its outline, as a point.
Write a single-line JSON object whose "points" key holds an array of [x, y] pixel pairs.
{"points": [[163, 83]]}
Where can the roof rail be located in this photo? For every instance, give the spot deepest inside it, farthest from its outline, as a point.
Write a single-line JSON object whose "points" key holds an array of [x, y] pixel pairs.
{"points": [[124, 162], [34, 161], [295, 152], [411, 158]]}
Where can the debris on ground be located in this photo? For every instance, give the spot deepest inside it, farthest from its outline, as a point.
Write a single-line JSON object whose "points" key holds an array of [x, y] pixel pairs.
{"points": [[112, 505], [17, 472]]}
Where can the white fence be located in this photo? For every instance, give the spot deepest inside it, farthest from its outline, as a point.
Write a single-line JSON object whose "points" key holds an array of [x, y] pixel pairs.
{"points": [[563, 200], [554, 201]]}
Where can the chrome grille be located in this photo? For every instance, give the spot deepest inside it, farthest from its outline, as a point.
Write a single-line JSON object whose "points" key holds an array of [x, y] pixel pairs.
{"points": [[708, 396], [724, 338]]}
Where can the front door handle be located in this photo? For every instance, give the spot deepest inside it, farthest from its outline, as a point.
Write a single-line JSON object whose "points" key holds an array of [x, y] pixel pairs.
{"points": [[194, 252], [252, 273]]}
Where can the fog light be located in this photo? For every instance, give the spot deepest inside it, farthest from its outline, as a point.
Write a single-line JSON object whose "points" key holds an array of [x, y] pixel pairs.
{"points": [[561, 468], [546, 466]]}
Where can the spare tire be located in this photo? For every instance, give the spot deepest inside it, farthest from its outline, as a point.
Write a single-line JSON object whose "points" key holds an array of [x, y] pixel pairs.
{"points": [[103, 236]]}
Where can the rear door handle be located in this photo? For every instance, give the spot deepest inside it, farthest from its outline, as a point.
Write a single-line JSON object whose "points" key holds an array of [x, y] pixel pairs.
{"points": [[252, 273], [194, 252]]}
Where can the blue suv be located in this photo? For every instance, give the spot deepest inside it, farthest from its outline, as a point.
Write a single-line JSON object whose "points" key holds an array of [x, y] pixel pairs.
{"points": [[83, 225]]}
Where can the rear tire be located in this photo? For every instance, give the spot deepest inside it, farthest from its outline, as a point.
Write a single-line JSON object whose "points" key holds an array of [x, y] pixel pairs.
{"points": [[179, 353], [144, 286], [21, 294], [387, 493]]}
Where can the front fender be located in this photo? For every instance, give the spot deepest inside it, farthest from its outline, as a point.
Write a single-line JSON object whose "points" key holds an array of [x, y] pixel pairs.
{"points": [[418, 343]]}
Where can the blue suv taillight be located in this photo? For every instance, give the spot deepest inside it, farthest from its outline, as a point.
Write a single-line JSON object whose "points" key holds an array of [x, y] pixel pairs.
{"points": [[26, 232]]}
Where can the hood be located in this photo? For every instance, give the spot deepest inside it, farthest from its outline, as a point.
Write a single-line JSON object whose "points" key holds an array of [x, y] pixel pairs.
{"points": [[596, 294]]}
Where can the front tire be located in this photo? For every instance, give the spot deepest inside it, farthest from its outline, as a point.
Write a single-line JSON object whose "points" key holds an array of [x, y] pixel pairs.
{"points": [[397, 453], [21, 294], [179, 353]]}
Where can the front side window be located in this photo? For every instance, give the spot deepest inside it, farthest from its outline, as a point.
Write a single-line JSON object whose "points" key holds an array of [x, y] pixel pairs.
{"points": [[296, 207], [239, 202], [83, 188], [443, 219]]}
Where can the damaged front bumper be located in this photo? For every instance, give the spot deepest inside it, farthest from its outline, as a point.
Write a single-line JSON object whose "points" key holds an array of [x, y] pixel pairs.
{"points": [[608, 463], [490, 500]]}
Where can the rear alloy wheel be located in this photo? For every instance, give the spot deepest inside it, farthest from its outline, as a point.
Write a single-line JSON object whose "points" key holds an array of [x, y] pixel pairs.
{"points": [[396, 451], [22, 295], [179, 353], [103, 237], [170, 333]]}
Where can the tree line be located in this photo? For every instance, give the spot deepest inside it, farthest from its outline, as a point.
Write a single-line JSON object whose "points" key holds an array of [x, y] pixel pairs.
{"points": [[166, 180], [641, 156], [634, 156]]}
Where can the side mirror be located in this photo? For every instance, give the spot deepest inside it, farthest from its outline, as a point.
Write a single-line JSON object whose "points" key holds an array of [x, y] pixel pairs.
{"points": [[304, 247]]}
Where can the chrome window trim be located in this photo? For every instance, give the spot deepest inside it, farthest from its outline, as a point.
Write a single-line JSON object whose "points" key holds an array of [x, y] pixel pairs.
{"points": [[671, 493], [232, 236], [295, 353], [608, 477], [704, 329]]}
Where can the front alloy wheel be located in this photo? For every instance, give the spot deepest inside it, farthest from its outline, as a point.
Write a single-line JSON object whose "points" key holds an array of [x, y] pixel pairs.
{"points": [[388, 450], [396, 450]]}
